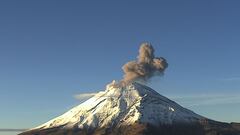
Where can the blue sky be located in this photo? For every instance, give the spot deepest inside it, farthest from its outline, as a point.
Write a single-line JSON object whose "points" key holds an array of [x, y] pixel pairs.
{"points": [[53, 50]]}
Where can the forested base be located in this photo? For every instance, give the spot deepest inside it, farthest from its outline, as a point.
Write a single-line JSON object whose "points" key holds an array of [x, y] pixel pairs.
{"points": [[207, 128]]}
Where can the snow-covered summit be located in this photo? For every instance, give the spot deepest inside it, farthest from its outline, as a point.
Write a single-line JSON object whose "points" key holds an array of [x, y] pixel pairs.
{"points": [[117, 106]]}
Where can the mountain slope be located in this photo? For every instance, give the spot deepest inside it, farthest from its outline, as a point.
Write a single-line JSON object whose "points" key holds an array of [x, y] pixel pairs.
{"points": [[133, 109]]}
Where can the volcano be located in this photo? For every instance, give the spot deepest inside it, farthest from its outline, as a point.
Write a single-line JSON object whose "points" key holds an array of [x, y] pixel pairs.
{"points": [[134, 109]]}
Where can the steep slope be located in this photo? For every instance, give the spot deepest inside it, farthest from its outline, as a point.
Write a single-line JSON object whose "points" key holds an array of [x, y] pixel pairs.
{"points": [[119, 110]]}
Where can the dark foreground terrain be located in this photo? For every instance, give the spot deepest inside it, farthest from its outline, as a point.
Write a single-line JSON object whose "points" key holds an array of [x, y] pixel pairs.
{"points": [[205, 127]]}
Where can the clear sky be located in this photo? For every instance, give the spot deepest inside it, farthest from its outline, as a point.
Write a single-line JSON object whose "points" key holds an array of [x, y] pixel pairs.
{"points": [[53, 50]]}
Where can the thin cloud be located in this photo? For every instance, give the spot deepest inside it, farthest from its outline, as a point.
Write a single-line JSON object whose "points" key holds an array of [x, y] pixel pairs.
{"points": [[11, 130], [207, 100], [84, 96], [230, 79]]}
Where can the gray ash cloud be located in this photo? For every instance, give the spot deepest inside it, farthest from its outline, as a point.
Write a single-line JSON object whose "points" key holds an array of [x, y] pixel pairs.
{"points": [[145, 67]]}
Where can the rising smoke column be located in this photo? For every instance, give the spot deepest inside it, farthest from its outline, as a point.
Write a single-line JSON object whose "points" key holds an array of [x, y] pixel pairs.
{"points": [[145, 67]]}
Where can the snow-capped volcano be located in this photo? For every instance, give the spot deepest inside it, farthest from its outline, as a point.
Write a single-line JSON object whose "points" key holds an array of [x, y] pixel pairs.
{"points": [[130, 108], [124, 106], [134, 109]]}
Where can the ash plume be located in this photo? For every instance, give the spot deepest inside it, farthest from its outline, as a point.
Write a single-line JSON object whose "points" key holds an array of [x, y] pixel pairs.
{"points": [[145, 67]]}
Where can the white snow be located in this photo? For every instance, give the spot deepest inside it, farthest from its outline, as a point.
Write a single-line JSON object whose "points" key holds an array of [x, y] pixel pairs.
{"points": [[123, 106]]}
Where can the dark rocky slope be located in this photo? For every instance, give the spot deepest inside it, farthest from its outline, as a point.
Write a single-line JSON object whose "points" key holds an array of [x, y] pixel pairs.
{"points": [[205, 127]]}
